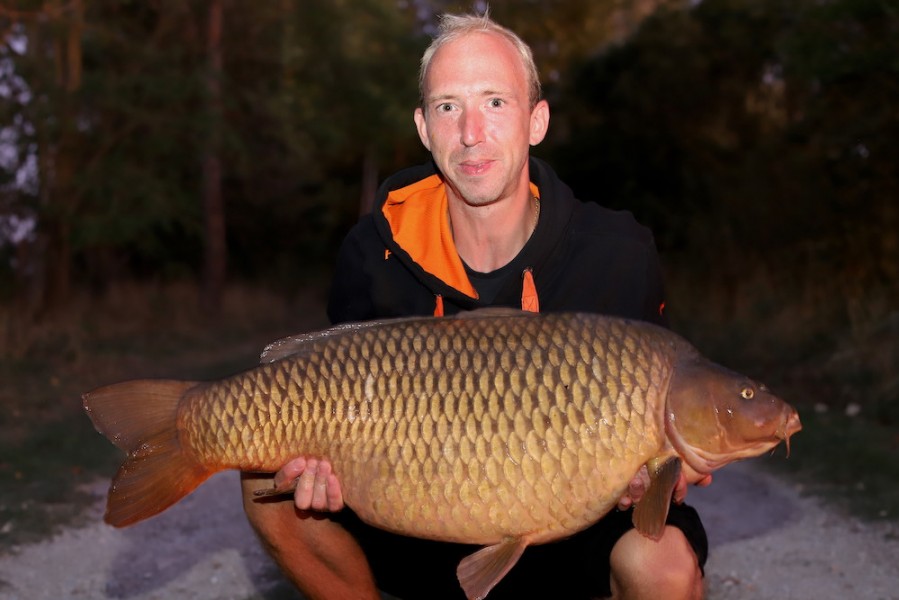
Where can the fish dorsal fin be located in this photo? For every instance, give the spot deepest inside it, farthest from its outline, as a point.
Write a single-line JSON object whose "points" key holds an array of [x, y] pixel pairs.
{"points": [[494, 312], [479, 572], [301, 343], [304, 342], [652, 510]]}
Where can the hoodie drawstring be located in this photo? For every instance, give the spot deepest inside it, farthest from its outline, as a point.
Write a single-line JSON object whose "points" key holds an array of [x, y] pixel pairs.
{"points": [[529, 300]]}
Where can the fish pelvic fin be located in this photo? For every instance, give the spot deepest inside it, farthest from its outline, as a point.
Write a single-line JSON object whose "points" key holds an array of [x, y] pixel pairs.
{"points": [[140, 417], [478, 573], [651, 511]]}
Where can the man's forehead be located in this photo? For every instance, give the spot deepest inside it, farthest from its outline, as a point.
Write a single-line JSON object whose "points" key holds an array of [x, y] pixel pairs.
{"points": [[481, 62]]}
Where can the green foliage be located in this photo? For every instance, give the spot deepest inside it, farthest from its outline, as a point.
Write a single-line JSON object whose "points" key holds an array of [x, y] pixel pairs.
{"points": [[326, 86], [755, 137], [312, 89]]}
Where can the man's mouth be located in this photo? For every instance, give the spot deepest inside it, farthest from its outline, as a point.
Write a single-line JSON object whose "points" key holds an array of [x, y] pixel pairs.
{"points": [[475, 167]]}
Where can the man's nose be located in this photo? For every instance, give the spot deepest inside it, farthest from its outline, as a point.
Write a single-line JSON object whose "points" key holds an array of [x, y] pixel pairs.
{"points": [[472, 128]]}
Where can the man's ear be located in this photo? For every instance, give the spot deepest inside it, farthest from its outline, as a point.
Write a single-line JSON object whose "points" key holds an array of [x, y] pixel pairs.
{"points": [[539, 122], [422, 126]]}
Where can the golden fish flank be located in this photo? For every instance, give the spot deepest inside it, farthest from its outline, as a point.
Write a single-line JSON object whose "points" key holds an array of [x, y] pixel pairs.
{"points": [[491, 428]]}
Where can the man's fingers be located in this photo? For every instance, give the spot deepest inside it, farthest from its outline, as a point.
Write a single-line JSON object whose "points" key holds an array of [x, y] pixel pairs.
{"points": [[705, 481], [318, 487], [680, 489], [302, 498], [640, 482], [319, 500], [635, 490], [285, 477], [334, 494]]}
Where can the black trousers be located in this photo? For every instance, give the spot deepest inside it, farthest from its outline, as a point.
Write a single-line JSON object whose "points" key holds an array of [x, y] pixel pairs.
{"points": [[576, 568]]}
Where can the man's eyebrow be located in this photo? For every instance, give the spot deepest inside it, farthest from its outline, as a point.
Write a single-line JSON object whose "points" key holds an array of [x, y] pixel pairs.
{"points": [[450, 96], [440, 98]]}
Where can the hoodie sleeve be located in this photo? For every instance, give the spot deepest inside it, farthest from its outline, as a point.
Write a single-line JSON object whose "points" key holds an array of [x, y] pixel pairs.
{"points": [[654, 309], [350, 298]]}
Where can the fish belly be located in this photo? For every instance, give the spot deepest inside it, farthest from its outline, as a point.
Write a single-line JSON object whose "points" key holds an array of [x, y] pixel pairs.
{"points": [[468, 430]]}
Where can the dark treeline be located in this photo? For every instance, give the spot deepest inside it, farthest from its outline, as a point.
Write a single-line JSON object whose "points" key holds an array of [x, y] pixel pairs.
{"points": [[758, 132], [134, 118], [758, 138]]}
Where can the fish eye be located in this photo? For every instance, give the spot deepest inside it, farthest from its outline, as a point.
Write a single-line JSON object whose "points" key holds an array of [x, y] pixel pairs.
{"points": [[747, 393]]}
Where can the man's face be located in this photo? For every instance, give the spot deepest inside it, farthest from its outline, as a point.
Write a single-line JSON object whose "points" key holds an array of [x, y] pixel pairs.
{"points": [[477, 121]]}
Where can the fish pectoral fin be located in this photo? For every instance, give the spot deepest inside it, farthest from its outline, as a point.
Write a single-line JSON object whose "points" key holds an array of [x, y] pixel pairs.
{"points": [[652, 510], [479, 572], [288, 487]]}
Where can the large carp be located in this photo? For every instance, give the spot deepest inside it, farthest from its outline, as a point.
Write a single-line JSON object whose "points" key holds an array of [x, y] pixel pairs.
{"points": [[494, 427]]}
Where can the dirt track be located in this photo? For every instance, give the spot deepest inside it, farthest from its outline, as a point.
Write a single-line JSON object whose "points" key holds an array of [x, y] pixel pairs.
{"points": [[767, 542]]}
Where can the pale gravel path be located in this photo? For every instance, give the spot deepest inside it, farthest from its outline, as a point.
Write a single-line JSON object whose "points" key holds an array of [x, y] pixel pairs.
{"points": [[767, 543]]}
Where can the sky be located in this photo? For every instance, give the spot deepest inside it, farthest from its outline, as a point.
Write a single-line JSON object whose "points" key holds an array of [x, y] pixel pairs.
{"points": [[15, 228]]}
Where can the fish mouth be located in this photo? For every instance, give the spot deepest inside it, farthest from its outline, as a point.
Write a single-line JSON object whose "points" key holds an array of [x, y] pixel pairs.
{"points": [[791, 426], [705, 460]]}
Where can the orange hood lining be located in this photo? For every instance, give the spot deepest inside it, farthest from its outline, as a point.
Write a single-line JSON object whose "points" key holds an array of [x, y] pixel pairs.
{"points": [[419, 221]]}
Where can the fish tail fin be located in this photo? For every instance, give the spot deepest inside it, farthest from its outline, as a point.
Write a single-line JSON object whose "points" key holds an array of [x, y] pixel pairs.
{"points": [[140, 417]]}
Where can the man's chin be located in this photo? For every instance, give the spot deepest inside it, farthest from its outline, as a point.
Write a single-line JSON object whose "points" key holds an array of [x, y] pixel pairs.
{"points": [[475, 195]]}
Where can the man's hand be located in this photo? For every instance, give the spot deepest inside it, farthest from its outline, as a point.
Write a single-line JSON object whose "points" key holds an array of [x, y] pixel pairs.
{"points": [[317, 487], [637, 487]]}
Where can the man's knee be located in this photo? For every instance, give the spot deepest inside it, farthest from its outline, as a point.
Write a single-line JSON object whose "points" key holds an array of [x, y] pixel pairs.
{"points": [[642, 568], [274, 520], [315, 553]]}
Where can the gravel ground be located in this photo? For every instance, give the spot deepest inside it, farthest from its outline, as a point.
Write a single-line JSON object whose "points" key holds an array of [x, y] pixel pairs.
{"points": [[767, 541]]}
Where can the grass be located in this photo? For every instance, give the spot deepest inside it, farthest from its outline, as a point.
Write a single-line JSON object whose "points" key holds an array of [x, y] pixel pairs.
{"points": [[850, 461], [818, 350]]}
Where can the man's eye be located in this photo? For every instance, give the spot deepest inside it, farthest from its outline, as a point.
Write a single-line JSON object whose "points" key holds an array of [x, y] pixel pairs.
{"points": [[496, 103], [445, 107]]}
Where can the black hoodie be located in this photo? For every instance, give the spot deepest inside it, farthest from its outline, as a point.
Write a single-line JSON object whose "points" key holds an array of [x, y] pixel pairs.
{"points": [[583, 257]]}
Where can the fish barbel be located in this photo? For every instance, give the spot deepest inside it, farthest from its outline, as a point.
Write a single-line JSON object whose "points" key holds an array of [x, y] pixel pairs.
{"points": [[494, 427]]}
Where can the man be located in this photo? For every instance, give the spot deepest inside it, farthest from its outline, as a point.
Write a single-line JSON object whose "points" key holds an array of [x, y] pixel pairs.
{"points": [[485, 224]]}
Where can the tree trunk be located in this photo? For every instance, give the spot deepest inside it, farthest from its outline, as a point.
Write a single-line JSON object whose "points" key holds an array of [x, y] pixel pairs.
{"points": [[215, 258], [369, 181], [59, 158]]}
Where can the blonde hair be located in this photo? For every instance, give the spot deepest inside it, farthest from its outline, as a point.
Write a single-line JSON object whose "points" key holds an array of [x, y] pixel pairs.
{"points": [[453, 27]]}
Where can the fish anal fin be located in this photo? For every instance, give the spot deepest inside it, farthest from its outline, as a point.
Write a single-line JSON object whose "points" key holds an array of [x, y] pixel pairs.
{"points": [[651, 512], [478, 573], [288, 487]]}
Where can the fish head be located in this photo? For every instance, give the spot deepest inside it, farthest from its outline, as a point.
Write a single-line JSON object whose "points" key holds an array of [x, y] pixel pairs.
{"points": [[715, 416]]}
